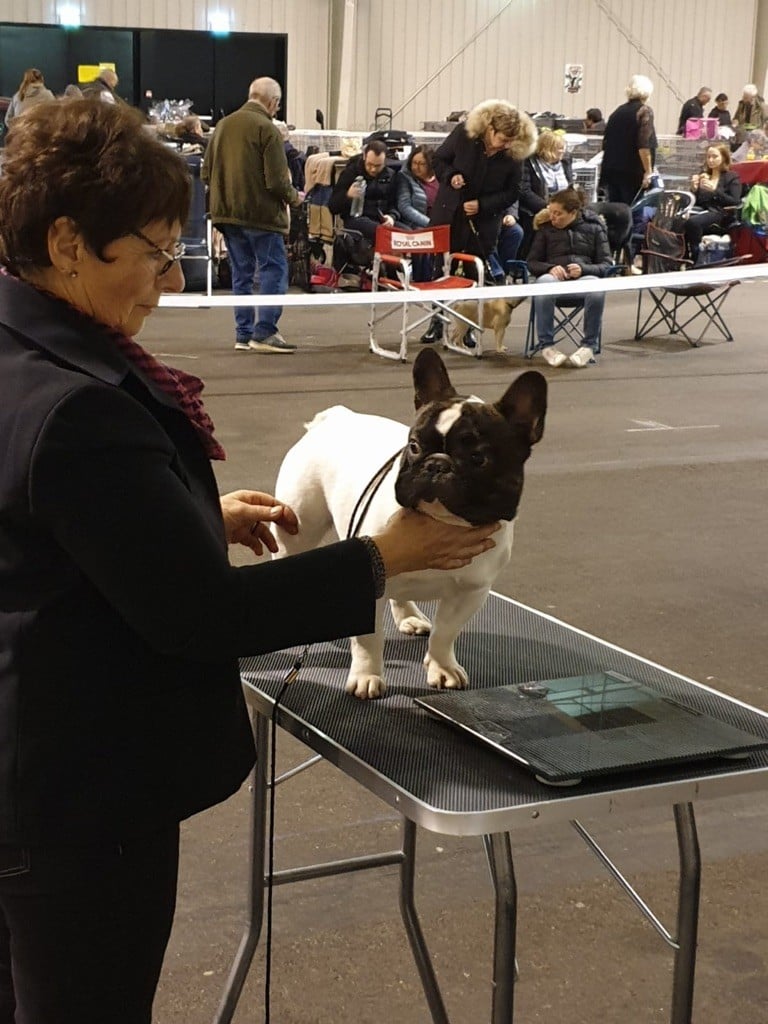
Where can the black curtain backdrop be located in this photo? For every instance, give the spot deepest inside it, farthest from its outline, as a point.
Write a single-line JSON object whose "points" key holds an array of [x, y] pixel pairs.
{"points": [[212, 71]]}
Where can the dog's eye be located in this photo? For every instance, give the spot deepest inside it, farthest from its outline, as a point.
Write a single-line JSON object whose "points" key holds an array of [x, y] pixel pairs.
{"points": [[414, 448], [477, 459]]}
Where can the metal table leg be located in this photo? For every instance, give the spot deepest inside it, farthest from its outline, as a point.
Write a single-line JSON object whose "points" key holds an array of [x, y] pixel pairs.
{"points": [[499, 850], [413, 926], [687, 914], [252, 932]]}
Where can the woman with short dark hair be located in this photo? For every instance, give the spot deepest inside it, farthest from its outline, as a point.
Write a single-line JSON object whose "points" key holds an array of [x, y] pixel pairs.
{"points": [[417, 188], [121, 618], [570, 244]]}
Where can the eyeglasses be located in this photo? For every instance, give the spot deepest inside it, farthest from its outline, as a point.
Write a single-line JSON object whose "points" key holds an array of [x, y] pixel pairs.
{"points": [[178, 251]]}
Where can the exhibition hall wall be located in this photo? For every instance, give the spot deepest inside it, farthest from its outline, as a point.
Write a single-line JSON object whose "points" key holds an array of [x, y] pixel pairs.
{"points": [[424, 59]]}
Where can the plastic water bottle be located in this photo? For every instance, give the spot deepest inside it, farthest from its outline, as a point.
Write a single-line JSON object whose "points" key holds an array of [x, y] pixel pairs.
{"points": [[356, 209]]}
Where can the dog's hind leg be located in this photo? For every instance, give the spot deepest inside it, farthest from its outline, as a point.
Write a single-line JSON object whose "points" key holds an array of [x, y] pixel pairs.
{"points": [[409, 618]]}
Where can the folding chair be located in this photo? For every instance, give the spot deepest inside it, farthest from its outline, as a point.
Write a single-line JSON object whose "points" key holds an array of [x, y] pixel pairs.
{"points": [[569, 312], [643, 208], [393, 251], [678, 307]]}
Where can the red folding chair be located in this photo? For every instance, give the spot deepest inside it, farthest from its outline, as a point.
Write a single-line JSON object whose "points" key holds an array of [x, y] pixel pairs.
{"points": [[393, 271]]}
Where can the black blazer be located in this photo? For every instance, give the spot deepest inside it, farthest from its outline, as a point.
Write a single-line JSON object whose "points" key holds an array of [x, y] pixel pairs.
{"points": [[494, 181], [121, 619]]}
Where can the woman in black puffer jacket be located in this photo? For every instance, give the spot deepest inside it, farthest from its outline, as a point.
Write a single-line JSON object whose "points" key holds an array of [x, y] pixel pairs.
{"points": [[572, 244]]}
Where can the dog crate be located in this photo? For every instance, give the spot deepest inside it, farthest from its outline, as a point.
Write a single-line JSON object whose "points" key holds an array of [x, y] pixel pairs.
{"points": [[586, 177]]}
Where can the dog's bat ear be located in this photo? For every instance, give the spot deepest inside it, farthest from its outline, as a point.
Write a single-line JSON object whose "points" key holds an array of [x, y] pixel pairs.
{"points": [[430, 379], [525, 404]]}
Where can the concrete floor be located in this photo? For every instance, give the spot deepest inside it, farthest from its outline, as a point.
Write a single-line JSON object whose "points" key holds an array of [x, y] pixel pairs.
{"points": [[654, 539]]}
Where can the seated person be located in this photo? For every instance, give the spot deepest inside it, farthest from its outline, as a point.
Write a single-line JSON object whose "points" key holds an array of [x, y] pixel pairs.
{"points": [[417, 187], [508, 244], [190, 131], [716, 188], [721, 111], [570, 243], [593, 122], [296, 159], [546, 172], [380, 199], [749, 114]]}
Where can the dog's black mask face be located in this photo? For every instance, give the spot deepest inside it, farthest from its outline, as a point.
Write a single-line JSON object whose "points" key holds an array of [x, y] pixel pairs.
{"points": [[465, 454]]}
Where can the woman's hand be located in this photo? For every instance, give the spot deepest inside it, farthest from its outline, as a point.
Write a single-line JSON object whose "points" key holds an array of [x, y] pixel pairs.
{"points": [[412, 541], [247, 515], [508, 221], [559, 273], [705, 183], [471, 207], [457, 181], [573, 271]]}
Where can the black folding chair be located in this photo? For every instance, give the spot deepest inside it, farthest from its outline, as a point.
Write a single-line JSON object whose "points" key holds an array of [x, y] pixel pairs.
{"points": [[676, 309]]}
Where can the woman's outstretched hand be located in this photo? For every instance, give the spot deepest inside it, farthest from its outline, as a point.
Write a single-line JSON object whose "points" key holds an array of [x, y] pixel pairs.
{"points": [[411, 541], [247, 515]]}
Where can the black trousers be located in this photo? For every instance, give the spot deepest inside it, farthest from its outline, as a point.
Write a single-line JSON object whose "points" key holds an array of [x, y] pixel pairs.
{"points": [[83, 930]]}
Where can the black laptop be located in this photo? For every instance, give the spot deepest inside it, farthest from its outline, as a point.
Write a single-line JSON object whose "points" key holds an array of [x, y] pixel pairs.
{"points": [[566, 730]]}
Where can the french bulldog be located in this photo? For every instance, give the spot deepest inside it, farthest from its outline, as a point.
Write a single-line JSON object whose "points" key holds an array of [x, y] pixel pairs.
{"points": [[462, 460], [496, 316]]}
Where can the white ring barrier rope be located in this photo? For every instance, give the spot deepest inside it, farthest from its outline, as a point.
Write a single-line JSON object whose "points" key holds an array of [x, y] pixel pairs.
{"points": [[675, 279]]}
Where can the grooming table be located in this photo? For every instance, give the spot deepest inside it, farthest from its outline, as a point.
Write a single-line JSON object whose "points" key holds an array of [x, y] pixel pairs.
{"points": [[440, 780]]}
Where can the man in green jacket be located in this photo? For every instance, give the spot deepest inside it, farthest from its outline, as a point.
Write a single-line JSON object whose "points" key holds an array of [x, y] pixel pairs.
{"points": [[250, 190]]}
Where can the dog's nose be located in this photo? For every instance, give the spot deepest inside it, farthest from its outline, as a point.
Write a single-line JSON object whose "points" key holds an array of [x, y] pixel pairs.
{"points": [[438, 465]]}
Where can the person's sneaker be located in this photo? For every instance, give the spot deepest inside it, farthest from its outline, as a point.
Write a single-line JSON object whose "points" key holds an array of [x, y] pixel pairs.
{"points": [[274, 343], [553, 355], [242, 345], [582, 356]]}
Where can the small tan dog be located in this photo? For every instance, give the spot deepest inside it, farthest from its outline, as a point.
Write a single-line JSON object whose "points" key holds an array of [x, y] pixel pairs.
{"points": [[496, 316]]}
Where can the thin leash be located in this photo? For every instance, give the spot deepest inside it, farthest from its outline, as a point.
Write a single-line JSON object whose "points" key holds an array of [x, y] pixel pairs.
{"points": [[363, 504], [356, 520]]}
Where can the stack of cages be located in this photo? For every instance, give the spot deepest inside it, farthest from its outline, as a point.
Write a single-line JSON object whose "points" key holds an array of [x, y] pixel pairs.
{"points": [[677, 159]]}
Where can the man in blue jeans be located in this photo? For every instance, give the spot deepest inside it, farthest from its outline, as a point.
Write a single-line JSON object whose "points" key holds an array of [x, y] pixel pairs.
{"points": [[247, 173]]}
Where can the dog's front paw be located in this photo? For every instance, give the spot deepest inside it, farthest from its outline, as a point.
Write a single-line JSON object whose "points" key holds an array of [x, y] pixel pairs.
{"points": [[442, 677], [415, 625], [366, 686], [410, 619]]}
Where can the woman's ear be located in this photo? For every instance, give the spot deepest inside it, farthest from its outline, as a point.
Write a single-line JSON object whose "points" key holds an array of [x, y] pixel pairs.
{"points": [[66, 247]]}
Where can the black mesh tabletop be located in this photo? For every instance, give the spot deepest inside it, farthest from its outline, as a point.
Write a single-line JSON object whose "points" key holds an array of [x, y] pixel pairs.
{"points": [[448, 782]]}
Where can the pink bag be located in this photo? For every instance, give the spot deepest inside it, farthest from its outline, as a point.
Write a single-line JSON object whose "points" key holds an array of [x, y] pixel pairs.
{"points": [[701, 128]]}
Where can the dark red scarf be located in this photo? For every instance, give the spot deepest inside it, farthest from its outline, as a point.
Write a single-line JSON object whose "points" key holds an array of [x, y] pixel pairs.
{"points": [[181, 386]]}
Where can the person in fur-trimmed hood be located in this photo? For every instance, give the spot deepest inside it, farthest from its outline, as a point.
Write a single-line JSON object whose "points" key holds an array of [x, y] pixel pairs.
{"points": [[479, 167]]}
